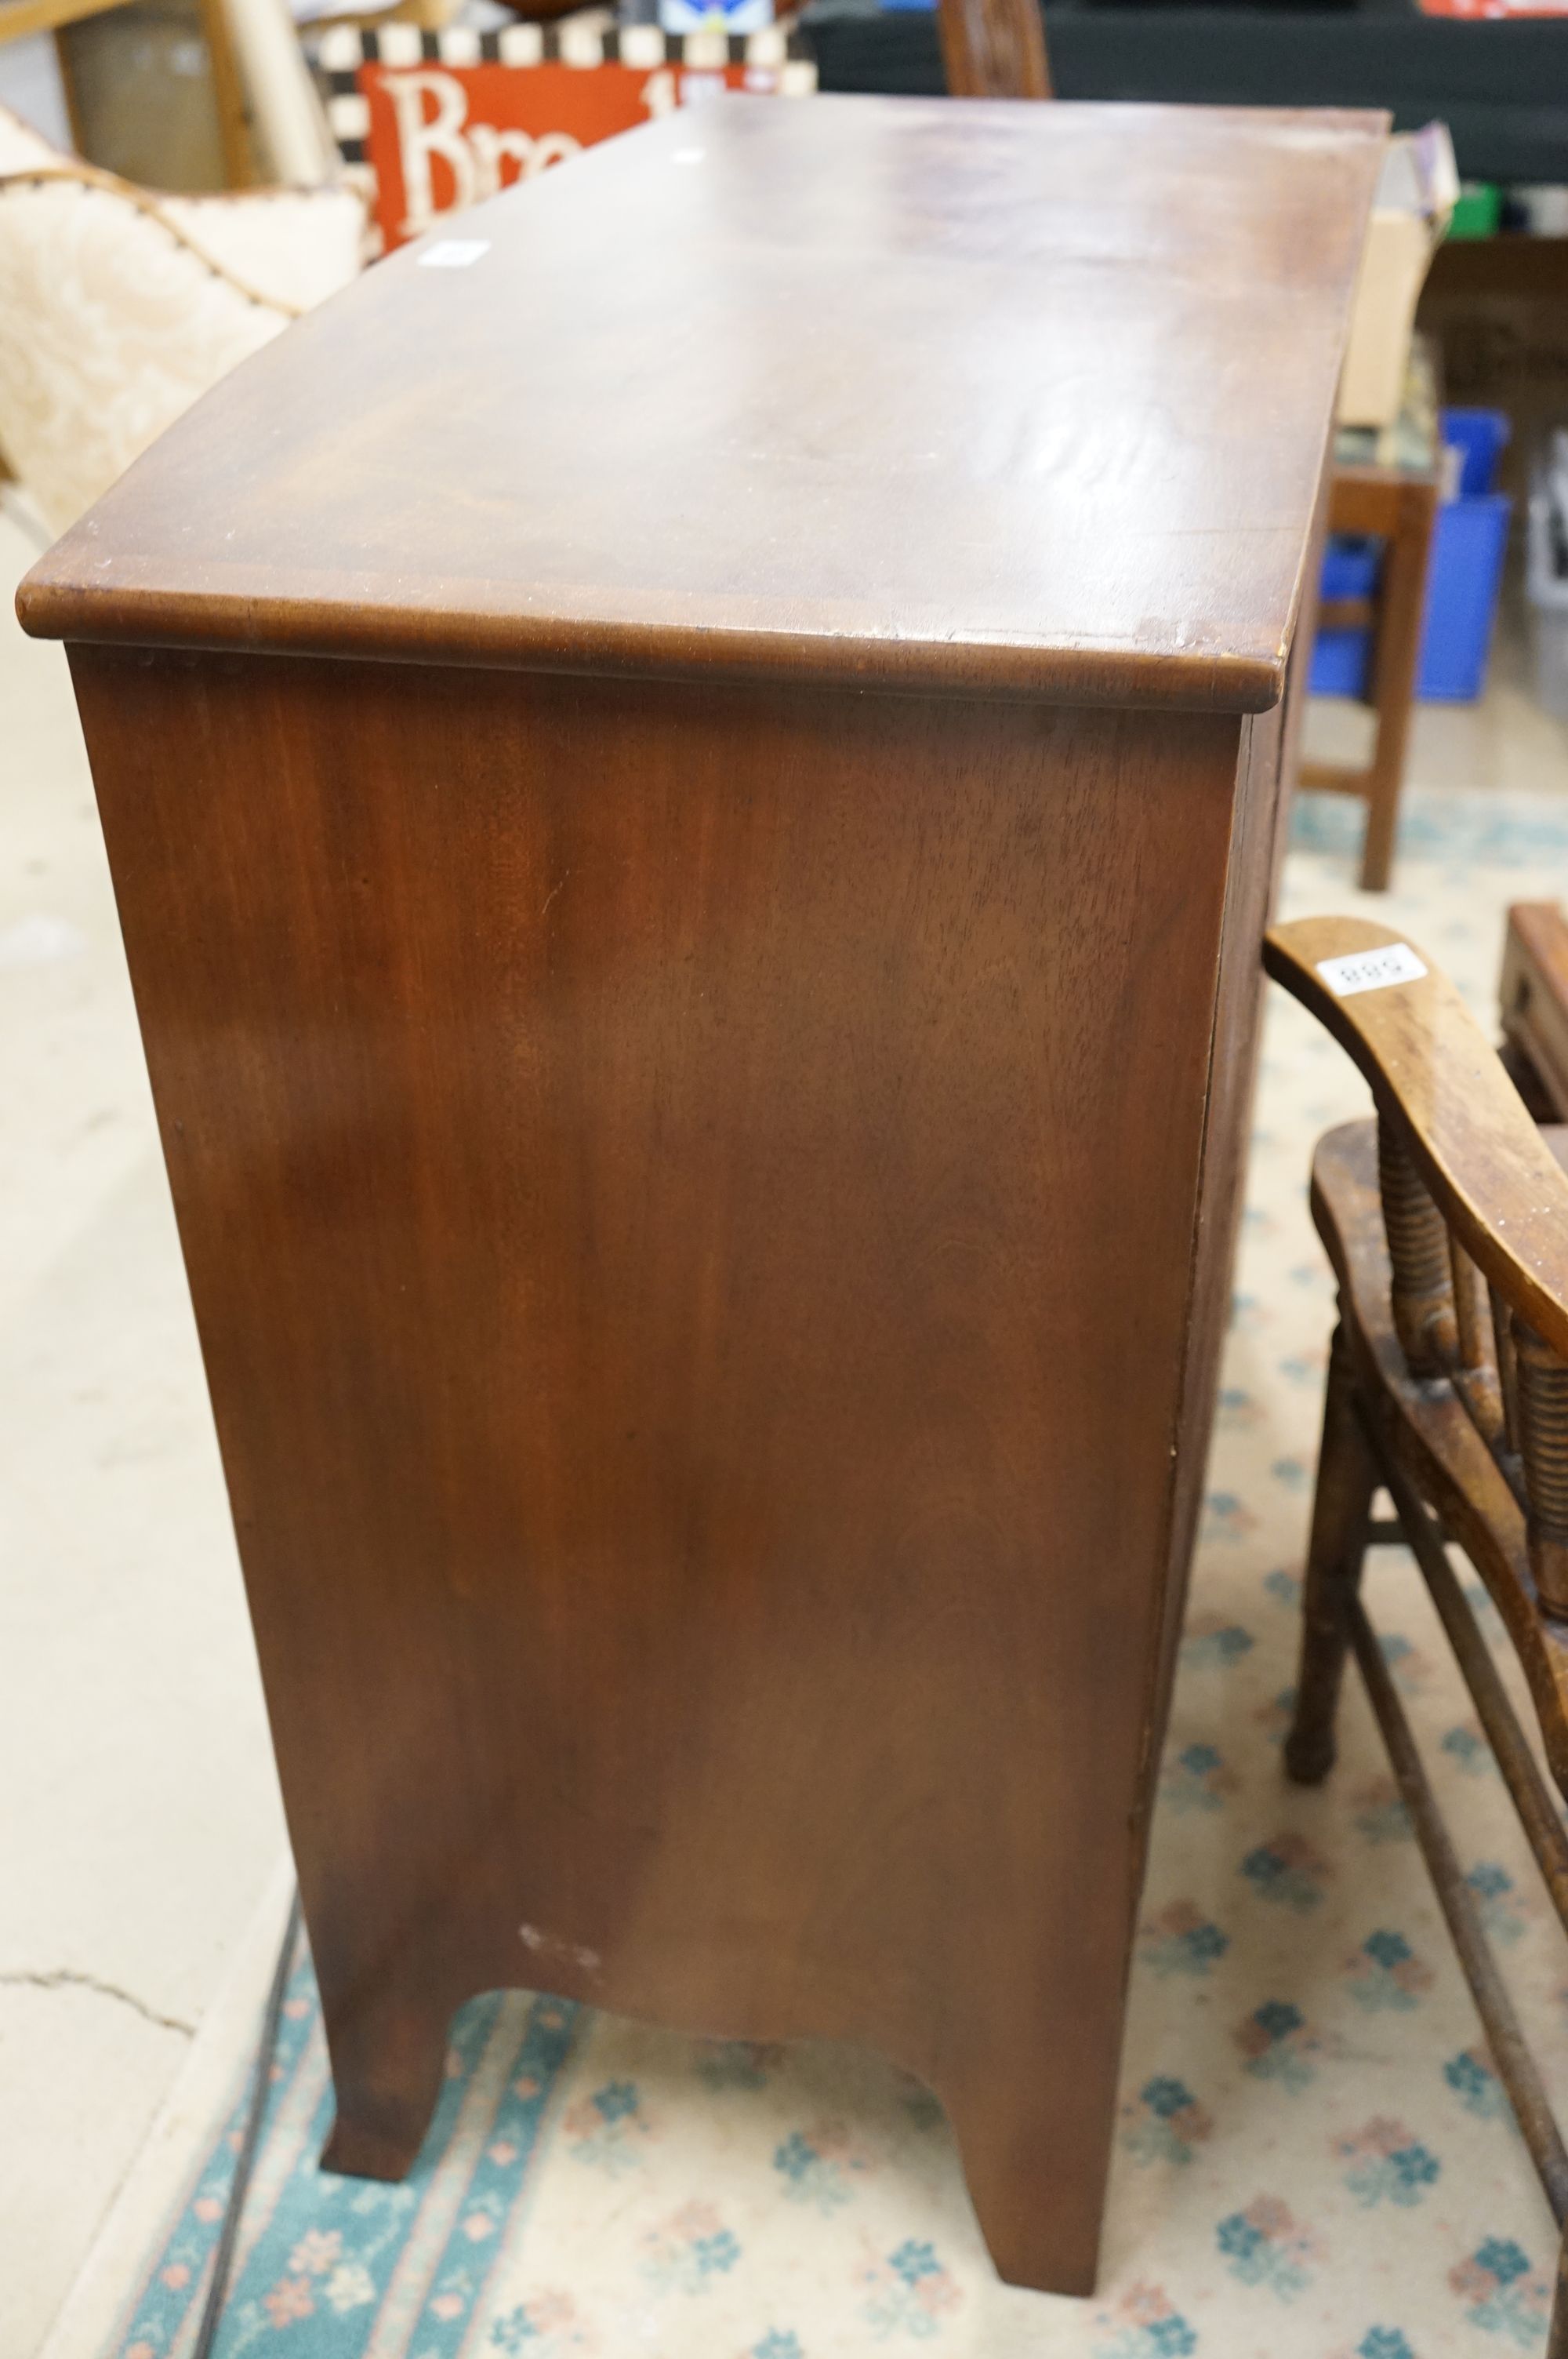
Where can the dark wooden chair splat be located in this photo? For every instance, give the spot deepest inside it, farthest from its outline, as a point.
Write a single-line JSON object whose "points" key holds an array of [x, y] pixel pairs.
{"points": [[994, 48], [1446, 1222]]}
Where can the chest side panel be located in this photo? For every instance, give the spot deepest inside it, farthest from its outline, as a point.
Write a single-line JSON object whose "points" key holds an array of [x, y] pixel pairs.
{"points": [[689, 1201]]}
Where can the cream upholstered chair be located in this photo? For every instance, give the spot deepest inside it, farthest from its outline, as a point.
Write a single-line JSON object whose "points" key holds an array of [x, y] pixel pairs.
{"points": [[120, 307]]}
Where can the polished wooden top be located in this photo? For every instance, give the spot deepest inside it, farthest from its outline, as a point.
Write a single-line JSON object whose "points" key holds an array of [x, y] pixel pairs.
{"points": [[973, 397]]}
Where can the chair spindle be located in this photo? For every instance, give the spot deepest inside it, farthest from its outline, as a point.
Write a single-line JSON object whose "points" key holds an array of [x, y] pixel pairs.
{"points": [[1508, 1374], [1476, 1373], [1423, 1298], [1543, 1378]]}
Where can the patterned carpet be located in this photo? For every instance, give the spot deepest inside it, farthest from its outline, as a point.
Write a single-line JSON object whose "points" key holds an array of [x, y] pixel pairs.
{"points": [[1314, 2155]]}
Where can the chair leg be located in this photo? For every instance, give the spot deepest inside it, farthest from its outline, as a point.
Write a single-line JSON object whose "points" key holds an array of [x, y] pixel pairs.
{"points": [[1347, 1478], [1557, 2335], [1402, 608]]}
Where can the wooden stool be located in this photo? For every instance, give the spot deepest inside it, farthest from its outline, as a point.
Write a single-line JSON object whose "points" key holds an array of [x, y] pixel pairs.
{"points": [[1446, 1221], [1396, 506]]}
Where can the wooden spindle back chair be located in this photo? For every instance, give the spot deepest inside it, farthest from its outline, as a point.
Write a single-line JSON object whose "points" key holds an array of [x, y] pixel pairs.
{"points": [[994, 48], [1446, 1221]]}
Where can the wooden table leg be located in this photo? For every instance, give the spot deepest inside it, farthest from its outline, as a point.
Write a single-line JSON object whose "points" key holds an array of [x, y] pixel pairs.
{"points": [[1401, 608]]}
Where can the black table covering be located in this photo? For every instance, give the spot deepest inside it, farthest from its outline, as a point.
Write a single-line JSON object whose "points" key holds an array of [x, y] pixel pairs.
{"points": [[1501, 88]]}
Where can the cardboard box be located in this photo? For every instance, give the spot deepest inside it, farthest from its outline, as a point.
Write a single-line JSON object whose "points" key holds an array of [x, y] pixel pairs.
{"points": [[1417, 194]]}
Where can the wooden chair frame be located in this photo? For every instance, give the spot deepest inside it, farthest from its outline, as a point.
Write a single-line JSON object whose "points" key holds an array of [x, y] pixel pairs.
{"points": [[1400, 509], [994, 48], [1534, 1007], [1447, 1225]]}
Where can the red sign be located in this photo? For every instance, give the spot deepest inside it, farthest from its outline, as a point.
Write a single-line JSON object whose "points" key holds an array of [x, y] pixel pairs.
{"points": [[440, 137], [1515, 9]]}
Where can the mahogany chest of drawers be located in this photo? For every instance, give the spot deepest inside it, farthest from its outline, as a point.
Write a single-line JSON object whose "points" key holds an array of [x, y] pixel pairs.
{"points": [[693, 789]]}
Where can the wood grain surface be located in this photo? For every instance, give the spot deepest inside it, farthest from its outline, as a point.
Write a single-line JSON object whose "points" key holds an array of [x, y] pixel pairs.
{"points": [[1533, 1004], [1496, 1181], [689, 1200], [971, 395], [708, 1189], [993, 49]]}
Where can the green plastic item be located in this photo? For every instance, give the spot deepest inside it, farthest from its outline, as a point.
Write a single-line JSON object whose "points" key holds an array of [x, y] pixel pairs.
{"points": [[1477, 211]]}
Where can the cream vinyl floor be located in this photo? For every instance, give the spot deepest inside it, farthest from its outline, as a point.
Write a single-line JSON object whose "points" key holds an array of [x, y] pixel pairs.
{"points": [[138, 1810]]}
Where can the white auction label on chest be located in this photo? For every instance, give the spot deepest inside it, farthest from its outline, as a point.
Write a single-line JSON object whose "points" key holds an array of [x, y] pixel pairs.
{"points": [[453, 253], [1370, 970]]}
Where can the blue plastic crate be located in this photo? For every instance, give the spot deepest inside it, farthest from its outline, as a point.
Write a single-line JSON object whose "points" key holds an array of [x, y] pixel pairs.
{"points": [[1479, 436], [1469, 540], [1350, 565], [1468, 543], [1340, 662]]}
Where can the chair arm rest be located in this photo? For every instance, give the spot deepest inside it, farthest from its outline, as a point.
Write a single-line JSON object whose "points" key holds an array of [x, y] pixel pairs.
{"points": [[1502, 1193]]}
